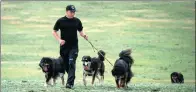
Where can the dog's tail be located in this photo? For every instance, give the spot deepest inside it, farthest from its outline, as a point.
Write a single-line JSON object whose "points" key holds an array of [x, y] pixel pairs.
{"points": [[126, 53], [101, 55]]}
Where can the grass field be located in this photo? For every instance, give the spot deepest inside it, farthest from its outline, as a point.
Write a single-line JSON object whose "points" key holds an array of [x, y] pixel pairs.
{"points": [[161, 35]]}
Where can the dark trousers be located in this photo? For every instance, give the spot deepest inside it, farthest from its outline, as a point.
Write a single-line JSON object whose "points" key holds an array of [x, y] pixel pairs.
{"points": [[69, 55]]}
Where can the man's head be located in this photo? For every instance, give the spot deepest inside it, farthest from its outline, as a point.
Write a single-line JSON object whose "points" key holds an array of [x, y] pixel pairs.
{"points": [[70, 11]]}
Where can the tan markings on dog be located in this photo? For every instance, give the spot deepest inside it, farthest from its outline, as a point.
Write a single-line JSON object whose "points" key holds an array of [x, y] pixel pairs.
{"points": [[9, 18]]}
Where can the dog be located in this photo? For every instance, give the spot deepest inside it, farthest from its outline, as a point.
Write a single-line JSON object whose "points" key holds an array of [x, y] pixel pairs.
{"points": [[177, 77], [52, 68], [122, 69], [94, 67]]}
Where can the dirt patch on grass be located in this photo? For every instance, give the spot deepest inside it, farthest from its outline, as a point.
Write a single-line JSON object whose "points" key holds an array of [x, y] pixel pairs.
{"points": [[38, 26], [113, 15], [159, 15], [15, 22], [109, 24], [9, 18], [95, 30], [35, 19], [188, 27], [189, 21], [58, 9], [6, 5], [84, 20], [54, 16], [25, 13], [139, 11], [146, 20]]}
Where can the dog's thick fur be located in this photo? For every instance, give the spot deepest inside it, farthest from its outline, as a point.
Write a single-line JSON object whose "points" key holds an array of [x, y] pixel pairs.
{"points": [[177, 77], [52, 68], [122, 68], [94, 67]]}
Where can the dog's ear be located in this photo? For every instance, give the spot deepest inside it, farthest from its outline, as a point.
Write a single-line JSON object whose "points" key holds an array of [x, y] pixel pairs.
{"points": [[101, 52], [41, 61], [83, 58], [47, 60], [89, 58]]}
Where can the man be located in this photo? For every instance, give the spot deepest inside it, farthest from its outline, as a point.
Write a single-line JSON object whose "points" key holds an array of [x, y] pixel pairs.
{"points": [[69, 25]]}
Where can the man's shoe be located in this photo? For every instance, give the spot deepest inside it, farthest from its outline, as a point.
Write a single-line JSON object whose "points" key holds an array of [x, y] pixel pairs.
{"points": [[69, 86]]}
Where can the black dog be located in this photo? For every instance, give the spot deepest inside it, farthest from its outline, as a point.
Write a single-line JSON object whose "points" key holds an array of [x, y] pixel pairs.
{"points": [[122, 69], [93, 67], [52, 68], [177, 77]]}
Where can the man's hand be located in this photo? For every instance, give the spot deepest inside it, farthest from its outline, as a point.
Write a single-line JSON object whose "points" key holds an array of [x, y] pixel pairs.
{"points": [[62, 42], [85, 37]]}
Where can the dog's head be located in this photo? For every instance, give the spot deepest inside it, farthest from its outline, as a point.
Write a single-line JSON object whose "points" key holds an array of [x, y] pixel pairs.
{"points": [[45, 64], [126, 55], [86, 62], [101, 55]]}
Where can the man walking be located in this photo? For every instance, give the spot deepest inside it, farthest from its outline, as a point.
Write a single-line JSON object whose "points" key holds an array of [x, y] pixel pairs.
{"points": [[69, 25]]}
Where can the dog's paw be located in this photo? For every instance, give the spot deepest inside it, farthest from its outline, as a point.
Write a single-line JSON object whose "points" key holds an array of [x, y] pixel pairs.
{"points": [[52, 84], [45, 84]]}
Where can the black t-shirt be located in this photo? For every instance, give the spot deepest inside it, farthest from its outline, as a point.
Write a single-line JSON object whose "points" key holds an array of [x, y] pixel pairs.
{"points": [[69, 28]]}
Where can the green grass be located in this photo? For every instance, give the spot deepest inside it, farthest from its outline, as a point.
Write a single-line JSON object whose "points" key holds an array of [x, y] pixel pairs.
{"points": [[161, 35]]}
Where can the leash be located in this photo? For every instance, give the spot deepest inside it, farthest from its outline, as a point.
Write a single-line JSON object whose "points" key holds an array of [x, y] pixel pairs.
{"points": [[98, 51]]}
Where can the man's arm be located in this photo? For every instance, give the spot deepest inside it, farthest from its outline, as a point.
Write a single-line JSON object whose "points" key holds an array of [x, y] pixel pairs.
{"points": [[62, 42], [83, 35]]}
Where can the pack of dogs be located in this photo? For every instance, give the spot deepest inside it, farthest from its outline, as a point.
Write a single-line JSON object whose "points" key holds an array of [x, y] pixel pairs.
{"points": [[94, 67]]}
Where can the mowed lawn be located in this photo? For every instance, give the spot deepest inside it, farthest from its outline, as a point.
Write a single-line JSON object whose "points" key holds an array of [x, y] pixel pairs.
{"points": [[161, 35]]}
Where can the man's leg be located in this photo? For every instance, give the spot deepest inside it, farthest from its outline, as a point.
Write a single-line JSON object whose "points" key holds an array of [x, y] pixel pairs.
{"points": [[65, 55], [73, 54]]}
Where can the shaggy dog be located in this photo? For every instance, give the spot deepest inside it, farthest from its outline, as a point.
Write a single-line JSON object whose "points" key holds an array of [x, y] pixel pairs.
{"points": [[94, 67], [122, 68], [177, 77], [52, 68]]}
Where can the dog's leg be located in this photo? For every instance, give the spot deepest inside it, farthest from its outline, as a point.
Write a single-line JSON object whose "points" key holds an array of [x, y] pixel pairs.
{"points": [[84, 79], [52, 81], [62, 78], [63, 81], [47, 79], [102, 79], [117, 80], [93, 79], [126, 76], [98, 78]]}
